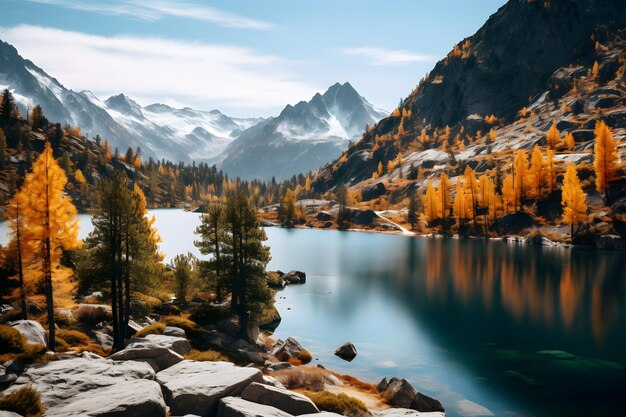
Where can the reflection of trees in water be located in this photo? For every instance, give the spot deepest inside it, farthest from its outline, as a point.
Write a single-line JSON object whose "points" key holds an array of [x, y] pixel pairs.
{"points": [[552, 289]]}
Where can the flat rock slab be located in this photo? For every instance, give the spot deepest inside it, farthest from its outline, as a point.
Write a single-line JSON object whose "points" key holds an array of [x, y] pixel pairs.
{"points": [[290, 402], [9, 414], [238, 407], [138, 398], [405, 412], [192, 387], [60, 382], [32, 330], [159, 351]]}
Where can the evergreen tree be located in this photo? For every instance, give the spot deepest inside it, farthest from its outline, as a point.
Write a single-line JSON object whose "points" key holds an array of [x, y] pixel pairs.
{"points": [[605, 158], [17, 229], [183, 267], [7, 108], [213, 234]]}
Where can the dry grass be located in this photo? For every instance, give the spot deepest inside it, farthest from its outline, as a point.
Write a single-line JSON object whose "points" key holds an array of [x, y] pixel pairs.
{"points": [[88, 314], [73, 337], [206, 356], [187, 325], [11, 340], [302, 377], [340, 403], [24, 401], [154, 328], [357, 383]]}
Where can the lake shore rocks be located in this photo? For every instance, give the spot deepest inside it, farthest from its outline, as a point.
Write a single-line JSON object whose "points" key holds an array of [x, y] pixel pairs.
{"points": [[400, 393], [159, 351], [288, 401], [347, 351]]}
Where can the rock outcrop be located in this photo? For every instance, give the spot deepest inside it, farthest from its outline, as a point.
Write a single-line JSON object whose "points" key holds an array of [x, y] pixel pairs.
{"points": [[238, 407], [288, 401], [159, 351], [192, 387], [32, 330]]}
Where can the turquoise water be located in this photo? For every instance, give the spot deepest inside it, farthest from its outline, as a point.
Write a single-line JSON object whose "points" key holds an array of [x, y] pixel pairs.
{"points": [[488, 328]]}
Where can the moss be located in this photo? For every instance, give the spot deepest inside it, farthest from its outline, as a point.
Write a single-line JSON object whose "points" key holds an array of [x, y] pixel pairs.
{"points": [[11, 340], [304, 356], [206, 356], [24, 401], [340, 403], [73, 337], [154, 328]]}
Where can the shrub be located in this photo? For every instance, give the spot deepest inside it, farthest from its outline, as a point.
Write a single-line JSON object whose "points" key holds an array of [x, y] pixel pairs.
{"points": [[273, 280], [24, 401], [295, 361], [306, 377], [304, 356], [91, 314], [144, 304], [73, 337], [206, 313], [154, 328], [206, 356], [11, 340], [187, 325], [174, 310], [340, 403], [35, 354], [61, 345]]}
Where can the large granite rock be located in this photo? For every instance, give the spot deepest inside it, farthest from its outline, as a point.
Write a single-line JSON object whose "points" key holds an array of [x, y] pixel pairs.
{"points": [[400, 393], [347, 351], [238, 407], [61, 382], [290, 348], [196, 387], [9, 414], [33, 331], [159, 351], [288, 401], [138, 398], [424, 403]]}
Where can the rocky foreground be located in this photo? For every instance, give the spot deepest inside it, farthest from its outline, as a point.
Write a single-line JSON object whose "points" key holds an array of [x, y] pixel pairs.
{"points": [[150, 377]]}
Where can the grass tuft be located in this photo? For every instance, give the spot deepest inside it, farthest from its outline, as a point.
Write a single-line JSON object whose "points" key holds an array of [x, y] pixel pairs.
{"points": [[206, 356], [340, 403], [154, 328], [24, 401]]}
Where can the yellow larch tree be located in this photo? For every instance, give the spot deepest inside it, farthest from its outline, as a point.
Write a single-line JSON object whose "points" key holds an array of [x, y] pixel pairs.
{"points": [[573, 199], [606, 161], [444, 196], [536, 172], [550, 170], [52, 223], [17, 230], [553, 137], [519, 172], [379, 170], [137, 162], [508, 194], [423, 136], [432, 203], [570, 142], [460, 206], [472, 190]]}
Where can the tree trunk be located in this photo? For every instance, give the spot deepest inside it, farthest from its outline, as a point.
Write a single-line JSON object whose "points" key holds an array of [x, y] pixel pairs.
{"points": [[19, 263]]}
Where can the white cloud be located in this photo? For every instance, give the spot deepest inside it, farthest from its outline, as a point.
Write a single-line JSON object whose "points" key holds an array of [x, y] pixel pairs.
{"points": [[379, 56], [153, 10], [161, 70]]}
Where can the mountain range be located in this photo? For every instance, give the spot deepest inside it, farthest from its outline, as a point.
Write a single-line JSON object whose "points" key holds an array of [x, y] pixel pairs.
{"points": [[302, 137]]}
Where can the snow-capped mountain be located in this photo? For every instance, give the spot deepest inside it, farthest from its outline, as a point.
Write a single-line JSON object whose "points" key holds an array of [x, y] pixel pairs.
{"points": [[160, 130], [303, 137]]}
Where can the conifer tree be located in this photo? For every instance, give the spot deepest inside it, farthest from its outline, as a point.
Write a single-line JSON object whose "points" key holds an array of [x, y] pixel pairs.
{"points": [[520, 172], [432, 203], [213, 240], [536, 171], [573, 199], [570, 142], [290, 207], [52, 225], [444, 196], [460, 207], [605, 158], [472, 190], [17, 231], [550, 170], [508, 194], [553, 136]]}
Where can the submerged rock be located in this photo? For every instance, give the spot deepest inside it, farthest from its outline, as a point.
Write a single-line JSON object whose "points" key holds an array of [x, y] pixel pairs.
{"points": [[347, 351], [288, 401], [192, 387]]}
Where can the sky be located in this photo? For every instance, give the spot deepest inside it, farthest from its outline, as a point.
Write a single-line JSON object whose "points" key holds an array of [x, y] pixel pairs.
{"points": [[245, 58]]}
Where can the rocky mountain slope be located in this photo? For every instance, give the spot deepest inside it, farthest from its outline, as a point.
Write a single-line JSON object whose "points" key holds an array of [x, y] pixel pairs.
{"points": [[532, 55], [159, 130], [303, 137]]}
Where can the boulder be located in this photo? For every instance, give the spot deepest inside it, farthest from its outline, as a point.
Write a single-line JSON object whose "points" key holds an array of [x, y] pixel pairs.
{"points": [[33, 331], [272, 382], [290, 348], [323, 216], [15, 366], [196, 387], [295, 277], [400, 393], [159, 351], [382, 385], [6, 380], [347, 351], [9, 414], [132, 328], [238, 407], [373, 192], [60, 382], [140, 398], [290, 402], [362, 217], [174, 331], [426, 404], [404, 412], [277, 366]]}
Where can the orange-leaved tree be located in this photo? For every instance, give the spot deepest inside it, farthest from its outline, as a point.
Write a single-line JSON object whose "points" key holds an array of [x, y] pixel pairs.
{"points": [[553, 136], [573, 199], [537, 172], [17, 230], [432, 203], [444, 196], [605, 162], [52, 225]]}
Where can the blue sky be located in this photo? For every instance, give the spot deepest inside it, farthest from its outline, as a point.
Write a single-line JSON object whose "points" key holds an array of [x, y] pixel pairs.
{"points": [[247, 58]]}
